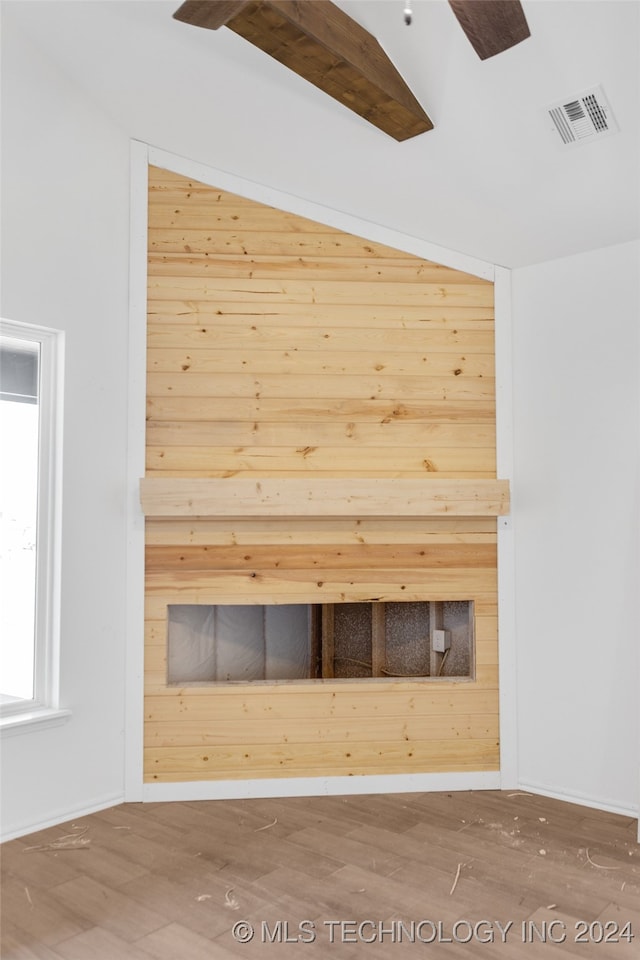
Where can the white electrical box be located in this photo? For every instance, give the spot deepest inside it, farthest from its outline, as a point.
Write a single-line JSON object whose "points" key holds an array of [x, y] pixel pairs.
{"points": [[441, 640]]}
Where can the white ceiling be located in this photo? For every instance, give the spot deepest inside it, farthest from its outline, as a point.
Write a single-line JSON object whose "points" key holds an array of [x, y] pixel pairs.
{"points": [[492, 180]]}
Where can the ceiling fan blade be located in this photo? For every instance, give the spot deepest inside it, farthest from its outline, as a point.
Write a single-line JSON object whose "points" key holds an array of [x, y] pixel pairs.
{"points": [[492, 26]]}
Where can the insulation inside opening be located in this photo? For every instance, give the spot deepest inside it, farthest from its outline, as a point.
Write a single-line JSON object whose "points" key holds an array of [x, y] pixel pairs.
{"points": [[221, 643]]}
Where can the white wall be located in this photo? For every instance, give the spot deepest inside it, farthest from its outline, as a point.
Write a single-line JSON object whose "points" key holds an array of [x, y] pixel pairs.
{"points": [[65, 265], [575, 500]]}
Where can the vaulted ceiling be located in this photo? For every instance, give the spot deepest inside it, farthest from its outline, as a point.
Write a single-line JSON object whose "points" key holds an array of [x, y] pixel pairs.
{"points": [[492, 179]]}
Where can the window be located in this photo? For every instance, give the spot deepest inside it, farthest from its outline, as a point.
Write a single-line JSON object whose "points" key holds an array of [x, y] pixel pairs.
{"points": [[30, 435]]}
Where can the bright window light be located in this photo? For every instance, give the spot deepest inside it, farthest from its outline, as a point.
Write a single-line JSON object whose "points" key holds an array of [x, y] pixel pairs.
{"points": [[19, 434], [29, 514]]}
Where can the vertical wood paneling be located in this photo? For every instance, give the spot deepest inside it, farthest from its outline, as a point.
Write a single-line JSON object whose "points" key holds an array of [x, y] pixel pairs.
{"points": [[279, 347]]}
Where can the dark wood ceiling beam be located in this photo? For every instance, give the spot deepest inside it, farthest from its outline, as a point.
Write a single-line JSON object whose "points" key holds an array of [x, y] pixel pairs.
{"points": [[210, 14], [322, 44]]}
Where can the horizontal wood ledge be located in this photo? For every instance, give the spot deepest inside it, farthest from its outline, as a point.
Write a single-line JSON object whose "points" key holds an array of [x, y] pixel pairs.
{"points": [[270, 498]]}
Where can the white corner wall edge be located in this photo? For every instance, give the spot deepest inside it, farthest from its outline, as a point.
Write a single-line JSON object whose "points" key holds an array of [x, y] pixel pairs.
{"points": [[62, 816], [316, 211], [320, 786], [582, 800]]}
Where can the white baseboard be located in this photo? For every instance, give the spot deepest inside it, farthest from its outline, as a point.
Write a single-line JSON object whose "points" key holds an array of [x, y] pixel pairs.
{"points": [[62, 816], [319, 786], [596, 803]]}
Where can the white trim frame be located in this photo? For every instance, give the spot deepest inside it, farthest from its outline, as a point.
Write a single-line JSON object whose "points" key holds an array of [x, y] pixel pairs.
{"points": [[141, 157], [136, 416], [44, 708], [508, 677], [320, 786]]}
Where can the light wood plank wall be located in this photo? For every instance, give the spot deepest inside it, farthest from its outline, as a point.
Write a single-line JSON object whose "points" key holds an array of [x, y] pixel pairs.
{"points": [[279, 347]]}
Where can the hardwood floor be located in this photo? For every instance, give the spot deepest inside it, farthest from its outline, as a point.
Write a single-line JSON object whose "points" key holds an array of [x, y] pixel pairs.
{"points": [[485, 874]]}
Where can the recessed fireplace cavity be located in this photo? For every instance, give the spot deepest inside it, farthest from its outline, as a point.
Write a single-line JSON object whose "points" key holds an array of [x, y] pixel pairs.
{"points": [[221, 643]]}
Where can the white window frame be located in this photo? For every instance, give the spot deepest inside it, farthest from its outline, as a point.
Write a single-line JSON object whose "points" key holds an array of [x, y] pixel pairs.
{"points": [[44, 708]]}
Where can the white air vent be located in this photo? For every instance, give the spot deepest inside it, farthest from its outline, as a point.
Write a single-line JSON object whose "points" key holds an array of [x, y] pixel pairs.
{"points": [[583, 117]]}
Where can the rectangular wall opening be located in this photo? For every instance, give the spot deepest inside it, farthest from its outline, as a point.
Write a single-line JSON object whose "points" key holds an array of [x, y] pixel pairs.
{"points": [[220, 643]]}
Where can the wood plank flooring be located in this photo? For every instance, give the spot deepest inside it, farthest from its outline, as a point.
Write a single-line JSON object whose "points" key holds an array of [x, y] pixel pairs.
{"points": [[488, 874]]}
